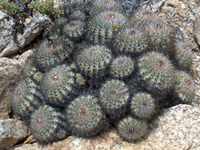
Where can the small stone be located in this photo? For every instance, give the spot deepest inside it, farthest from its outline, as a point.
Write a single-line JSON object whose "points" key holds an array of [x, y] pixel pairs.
{"points": [[12, 131], [172, 3]]}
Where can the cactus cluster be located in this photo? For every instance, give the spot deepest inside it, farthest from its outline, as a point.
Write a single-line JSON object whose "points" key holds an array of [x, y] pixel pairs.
{"points": [[99, 67]]}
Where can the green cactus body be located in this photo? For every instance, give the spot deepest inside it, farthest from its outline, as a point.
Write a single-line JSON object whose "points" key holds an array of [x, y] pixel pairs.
{"points": [[74, 28], [114, 98], [161, 38], [85, 116], [143, 105], [185, 86], [71, 6], [132, 129], [131, 40], [47, 125], [183, 56], [122, 67], [24, 101], [51, 53], [157, 70], [102, 27], [97, 6], [77, 15], [57, 85], [29, 68], [92, 61]]}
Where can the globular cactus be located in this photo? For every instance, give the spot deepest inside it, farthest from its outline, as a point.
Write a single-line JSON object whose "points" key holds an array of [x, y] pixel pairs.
{"points": [[114, 96], [183, 56], [157, 70], [85, 117], [131, 128], [103, 26], [93, 61], [131, 40], [143, 105], [122, 67], [161, 37], [57, 85], [26, 98], [185, 86], [47, 125], [51, 53], [74, 28]]}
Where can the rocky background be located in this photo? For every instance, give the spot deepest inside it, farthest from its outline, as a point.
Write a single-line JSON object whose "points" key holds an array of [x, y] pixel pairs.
{"points": [[177, 128]]}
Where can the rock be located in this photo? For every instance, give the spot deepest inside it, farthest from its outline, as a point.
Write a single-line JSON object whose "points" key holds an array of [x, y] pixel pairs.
{"points": [[34, 146], [25, 56], [11, 132], [197, 29], [6, 29], [32, 30], [172, 3], [10, 71], [177, 128], [5, 102]]}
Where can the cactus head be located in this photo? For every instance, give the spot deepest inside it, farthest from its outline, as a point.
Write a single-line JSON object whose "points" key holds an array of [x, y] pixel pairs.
{"points": [[103, 26], [131, 129], [47, 125], [143, 105], [122, 67], [57, 85], [131, 40], [114, 98], [185, 86], [183, 56], [25, 99], [93, 61], [51, 53], [85, 116], [157, 70]]}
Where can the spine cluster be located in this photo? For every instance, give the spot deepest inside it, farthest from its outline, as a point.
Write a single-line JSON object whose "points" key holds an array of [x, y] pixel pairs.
{"points": [[98, 67]]}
